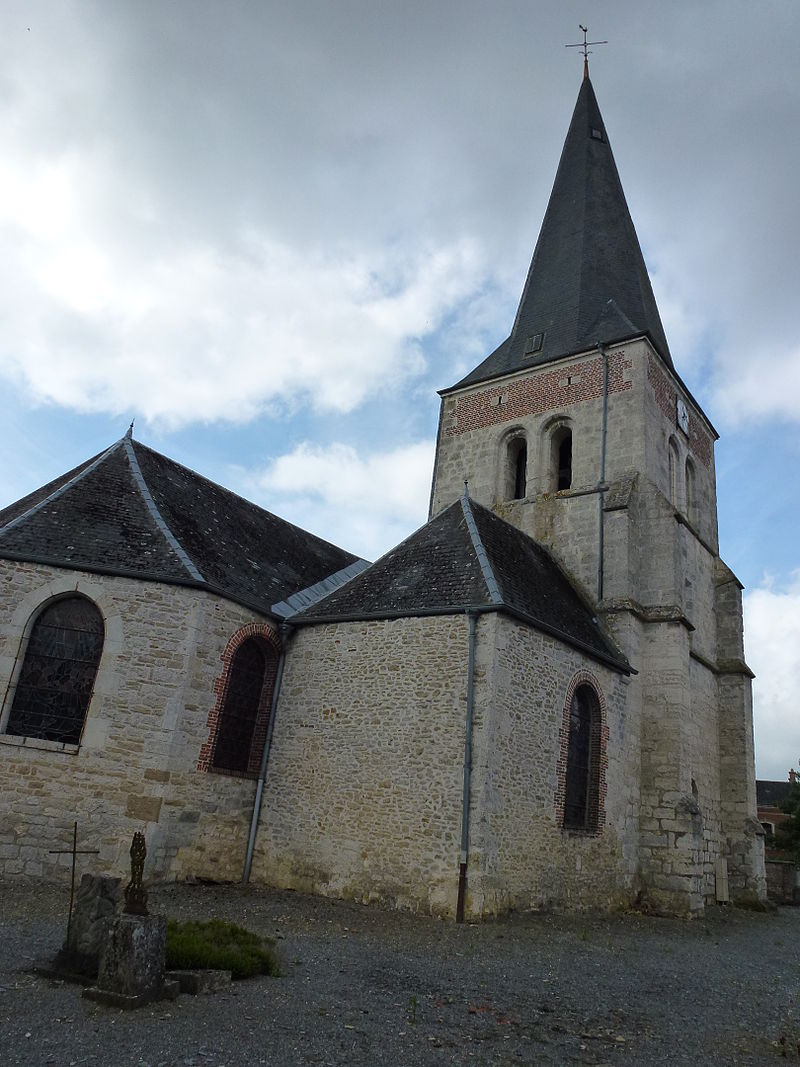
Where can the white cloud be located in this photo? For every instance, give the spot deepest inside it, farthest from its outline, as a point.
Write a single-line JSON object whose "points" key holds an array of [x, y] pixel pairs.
{"points": [[195, 331], [364, 504], [759, 383], [772, 635]]}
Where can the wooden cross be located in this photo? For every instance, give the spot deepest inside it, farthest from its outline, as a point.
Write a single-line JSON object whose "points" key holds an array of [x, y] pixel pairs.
{"points": [[585, 46], [74, 852]]}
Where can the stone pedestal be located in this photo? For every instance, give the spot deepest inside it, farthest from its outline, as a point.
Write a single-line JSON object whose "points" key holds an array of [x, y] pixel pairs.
{"points": [[132, 963]]}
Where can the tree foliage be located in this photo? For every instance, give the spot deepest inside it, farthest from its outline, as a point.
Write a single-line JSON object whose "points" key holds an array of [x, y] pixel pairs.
{"points": [[787, 834]]}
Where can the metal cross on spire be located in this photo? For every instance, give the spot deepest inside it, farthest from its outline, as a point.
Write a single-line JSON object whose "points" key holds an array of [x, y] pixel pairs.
{"points": [[585, 46]]}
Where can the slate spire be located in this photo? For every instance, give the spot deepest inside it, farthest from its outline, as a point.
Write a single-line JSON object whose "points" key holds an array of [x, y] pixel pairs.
{"points": [[587, 282]]}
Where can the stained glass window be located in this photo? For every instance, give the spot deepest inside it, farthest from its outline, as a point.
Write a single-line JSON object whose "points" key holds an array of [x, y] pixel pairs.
{"points": [[581, 792], [57, 675], [240, 709]]}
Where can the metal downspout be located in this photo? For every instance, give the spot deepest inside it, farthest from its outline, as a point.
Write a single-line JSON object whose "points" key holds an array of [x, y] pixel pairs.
{"points": [[462, 870], [262, 773], [601, 484]]}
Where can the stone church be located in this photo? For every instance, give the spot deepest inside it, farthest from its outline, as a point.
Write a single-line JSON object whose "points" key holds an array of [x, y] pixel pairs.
{"points": [[539, 699]]}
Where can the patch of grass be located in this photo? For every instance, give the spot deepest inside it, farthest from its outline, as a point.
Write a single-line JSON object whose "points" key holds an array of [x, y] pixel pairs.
{"points": [[217, 945]]}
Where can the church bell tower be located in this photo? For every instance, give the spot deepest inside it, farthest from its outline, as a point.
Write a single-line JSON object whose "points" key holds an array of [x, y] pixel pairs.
{"points": [[579, 430]]}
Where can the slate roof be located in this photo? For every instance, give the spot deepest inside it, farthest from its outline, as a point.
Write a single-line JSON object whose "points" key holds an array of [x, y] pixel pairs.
{"points": [[587, 282], [771, 794], [131, 511], [467, 558]]}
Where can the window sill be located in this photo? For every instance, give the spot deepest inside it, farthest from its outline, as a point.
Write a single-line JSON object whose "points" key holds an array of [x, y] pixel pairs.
{"points": [[38, 743], [251, 776]]}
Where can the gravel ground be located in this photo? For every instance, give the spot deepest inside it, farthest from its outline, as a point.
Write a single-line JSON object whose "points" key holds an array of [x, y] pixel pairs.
{"points": [[365, 986]]}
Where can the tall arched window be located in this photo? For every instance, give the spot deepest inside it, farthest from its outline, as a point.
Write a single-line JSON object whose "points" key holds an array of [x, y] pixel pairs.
{"points": [[234, 746], [691, 491], [582, 782], [518, 468], [561, 459], [674, 464], [56, 678]]}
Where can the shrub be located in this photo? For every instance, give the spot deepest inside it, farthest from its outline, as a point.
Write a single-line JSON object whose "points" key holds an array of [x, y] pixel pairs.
{"points": [[216, 945]]}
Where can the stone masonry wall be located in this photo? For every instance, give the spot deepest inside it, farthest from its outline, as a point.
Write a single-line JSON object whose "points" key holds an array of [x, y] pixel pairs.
{"points": [[740, 825], [136, 765], [521, 858], [364, 783]]}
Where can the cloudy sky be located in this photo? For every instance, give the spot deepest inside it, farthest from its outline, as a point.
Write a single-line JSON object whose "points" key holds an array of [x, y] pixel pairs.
{"points": [[271, 231]]}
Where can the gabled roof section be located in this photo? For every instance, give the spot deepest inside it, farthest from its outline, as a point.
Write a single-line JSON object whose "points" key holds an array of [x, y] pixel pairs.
{"points": [[132, 511], [587, 283], [469, 559], [434, 569]]}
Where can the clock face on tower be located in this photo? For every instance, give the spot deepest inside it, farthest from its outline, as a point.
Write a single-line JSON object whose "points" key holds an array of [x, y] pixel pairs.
{"points": [[683, 416]]}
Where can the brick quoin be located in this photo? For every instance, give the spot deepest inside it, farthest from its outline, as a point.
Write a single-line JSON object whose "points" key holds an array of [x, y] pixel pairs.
{"points": [[539, 393], [599, 749], [666, 398], [269, 635]]}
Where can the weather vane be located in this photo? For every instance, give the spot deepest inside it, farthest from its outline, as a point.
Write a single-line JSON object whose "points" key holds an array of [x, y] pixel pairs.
{"points": [[585, 46]]}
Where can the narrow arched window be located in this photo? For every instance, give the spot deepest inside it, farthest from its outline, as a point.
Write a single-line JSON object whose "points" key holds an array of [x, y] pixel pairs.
{"points": [[514, 472], [691, 491], [561, 459], [234, 743], [521, 472], [674, 488], [57, 674], [518, 456], [582, 783]]}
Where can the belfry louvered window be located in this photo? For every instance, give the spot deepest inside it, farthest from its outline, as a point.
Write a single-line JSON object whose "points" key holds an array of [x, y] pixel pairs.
{"points": [[58, 671], [582, 786]]}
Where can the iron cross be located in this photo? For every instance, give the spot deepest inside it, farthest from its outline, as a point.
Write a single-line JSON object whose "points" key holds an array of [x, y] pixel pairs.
{"points": [[74, 852], [585, 46]]}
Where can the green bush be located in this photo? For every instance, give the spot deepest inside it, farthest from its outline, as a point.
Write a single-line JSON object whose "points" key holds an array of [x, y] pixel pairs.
{"points": [[217, 945]]}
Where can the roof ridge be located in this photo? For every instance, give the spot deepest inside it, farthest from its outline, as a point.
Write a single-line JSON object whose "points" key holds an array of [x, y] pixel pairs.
{"points": [[492, 585], [156, 515], [91, 466]]}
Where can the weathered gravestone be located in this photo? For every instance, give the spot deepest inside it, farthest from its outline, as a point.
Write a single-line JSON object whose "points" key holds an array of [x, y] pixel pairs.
{"points": [[98, 901], [132, 969]]}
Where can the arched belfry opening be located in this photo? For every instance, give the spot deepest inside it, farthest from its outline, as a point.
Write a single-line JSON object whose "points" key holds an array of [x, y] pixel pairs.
{"points": [[674, 473], [560, 460], [691, 491], [515, 467]]}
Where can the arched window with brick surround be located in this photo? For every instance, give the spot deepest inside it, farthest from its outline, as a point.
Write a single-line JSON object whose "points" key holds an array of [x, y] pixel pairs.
{"points": [[56, 676], [581, 795], [238, 723]]}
